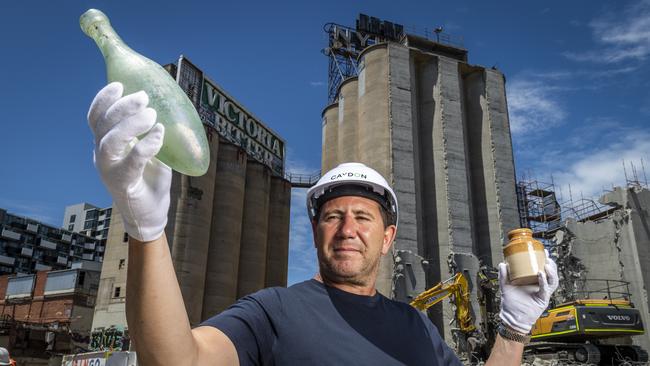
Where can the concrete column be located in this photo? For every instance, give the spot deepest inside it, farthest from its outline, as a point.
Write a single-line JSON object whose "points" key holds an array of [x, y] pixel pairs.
{"points": [[329, 158], [252, 259], [506, 215], [189, 234], [374, 130], [494, 201], [348, 128], [226, 224], [450, 156], [403, 150], [277, 253], [430, 186]]}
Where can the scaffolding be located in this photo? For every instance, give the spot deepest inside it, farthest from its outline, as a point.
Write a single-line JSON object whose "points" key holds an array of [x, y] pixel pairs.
{"points": [[343, 54], [634, 178], [541, 210]]}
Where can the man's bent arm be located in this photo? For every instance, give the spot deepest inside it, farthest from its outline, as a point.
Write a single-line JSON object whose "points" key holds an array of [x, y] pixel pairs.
{"points": [[158, 322], [505, 353]]}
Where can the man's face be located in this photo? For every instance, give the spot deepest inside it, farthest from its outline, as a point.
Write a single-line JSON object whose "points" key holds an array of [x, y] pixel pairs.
{"points": [[350, 239]]}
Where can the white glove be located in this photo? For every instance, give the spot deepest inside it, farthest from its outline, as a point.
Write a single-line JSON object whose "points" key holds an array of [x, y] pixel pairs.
{"points": [[521, 306], [138, 182]]}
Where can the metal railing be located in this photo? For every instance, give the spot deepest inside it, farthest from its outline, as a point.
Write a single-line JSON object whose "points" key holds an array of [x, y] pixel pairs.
{"points": [[602, 289], [302, 180]]}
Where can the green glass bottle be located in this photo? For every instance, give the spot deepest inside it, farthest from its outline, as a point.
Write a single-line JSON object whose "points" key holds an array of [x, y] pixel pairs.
{"points": [[185, 148]]}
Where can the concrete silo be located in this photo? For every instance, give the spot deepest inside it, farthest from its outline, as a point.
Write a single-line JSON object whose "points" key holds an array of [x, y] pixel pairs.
{"points": [[227, 214], [255, 224], [277, 250], [374, 126], [188, 230], [220, 224], [348, 127], [330, 136], [437, 128], [219, 241]]}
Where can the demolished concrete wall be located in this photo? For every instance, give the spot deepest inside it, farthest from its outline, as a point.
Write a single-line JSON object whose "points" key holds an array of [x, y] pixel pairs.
{"points": [[616, 247]]}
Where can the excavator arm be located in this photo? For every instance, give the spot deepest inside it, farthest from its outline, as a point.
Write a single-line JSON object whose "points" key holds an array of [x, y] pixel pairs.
{"points": [[458, 287]]}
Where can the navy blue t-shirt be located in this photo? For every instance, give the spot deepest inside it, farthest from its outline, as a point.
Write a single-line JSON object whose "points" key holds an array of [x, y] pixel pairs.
{"points": [[313, 324]]}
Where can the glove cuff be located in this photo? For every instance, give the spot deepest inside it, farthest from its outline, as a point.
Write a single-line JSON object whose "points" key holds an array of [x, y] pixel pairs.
{"points": [[142, 233], [510, 321]]}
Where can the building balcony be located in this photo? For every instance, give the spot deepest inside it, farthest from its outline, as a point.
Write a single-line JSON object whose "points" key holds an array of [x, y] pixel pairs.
{"points": [[27, 252], [90, 246], [7, 260], [47, 244], [6, 233], [42, 267], [88, 257], [66, 238], [33, 228], [62, 260]]}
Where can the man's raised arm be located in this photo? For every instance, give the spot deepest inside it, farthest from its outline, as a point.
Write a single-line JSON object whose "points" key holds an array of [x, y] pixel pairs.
{"points": [[140, 187]]}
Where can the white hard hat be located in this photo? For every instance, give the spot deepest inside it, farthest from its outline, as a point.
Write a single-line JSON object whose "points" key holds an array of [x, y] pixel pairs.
{"points": [[4, 357], [352, 179]]}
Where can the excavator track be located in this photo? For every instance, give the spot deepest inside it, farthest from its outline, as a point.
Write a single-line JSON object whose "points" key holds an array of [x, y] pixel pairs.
{"points": [[572, 352], [595, 354]]}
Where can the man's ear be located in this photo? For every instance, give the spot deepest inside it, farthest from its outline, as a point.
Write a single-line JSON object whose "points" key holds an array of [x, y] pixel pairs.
{"points": [[389, 237]]}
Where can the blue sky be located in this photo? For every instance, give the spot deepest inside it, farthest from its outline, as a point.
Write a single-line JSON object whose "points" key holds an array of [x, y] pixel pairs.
{"points": [[578, 84]]}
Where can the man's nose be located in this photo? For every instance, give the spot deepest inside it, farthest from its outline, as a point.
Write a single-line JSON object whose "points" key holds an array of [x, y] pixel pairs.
{"points": [[348, 227]]}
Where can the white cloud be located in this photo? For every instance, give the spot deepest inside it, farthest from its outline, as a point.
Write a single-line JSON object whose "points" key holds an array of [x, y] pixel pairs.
{"points": [[589, 172], [621, 37], [560, 75], [533, 106]]}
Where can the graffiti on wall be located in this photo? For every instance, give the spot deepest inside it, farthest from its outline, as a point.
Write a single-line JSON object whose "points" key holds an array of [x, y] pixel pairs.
{"points": [[110, 339]]}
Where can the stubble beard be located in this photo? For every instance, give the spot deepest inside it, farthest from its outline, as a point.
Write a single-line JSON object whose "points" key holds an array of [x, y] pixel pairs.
{"points": [[331, 271]]}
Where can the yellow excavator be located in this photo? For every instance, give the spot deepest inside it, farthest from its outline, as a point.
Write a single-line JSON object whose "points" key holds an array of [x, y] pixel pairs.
{"points": [[578, 331], [477, 341], [456, 286], [585, 330]]}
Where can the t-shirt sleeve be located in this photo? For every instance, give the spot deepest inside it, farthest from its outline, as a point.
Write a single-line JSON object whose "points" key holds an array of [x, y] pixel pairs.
{"points": [[248, 325], [445, 354]]}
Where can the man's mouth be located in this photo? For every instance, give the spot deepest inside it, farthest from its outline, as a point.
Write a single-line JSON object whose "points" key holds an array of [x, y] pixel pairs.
{"points": [[346, 249]]}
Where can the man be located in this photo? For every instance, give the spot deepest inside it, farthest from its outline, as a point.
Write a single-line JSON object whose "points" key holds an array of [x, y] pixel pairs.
{"points": [[5, 359], [337, 318]]}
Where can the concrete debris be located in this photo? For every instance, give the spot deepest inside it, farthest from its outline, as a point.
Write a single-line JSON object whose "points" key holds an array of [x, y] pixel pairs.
{"points": [[571, 270]]}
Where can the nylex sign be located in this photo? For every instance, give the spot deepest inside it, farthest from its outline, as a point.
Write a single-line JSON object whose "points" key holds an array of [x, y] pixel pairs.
{"points": [[236, 125]]}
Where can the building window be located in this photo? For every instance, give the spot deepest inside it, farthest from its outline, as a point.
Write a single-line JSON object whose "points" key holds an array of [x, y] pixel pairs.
{"points": [[121, 265], [73, 217], [82, 278], [126, 237], [71, 227], [116, 292]]}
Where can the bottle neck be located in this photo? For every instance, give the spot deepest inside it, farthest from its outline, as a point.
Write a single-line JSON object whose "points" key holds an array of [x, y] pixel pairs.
{"points": [[107, 40]]}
